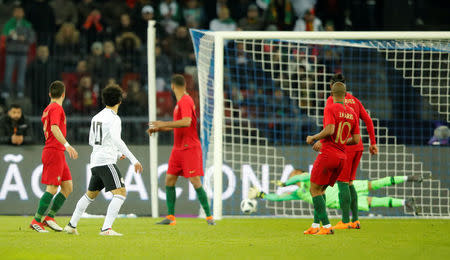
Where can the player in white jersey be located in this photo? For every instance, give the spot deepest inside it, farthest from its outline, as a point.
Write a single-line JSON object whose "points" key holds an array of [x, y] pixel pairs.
{"points": [[108, 146]]}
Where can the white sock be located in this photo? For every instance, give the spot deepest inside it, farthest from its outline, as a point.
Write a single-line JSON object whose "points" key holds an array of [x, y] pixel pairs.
{"points": [[403, 202], [327, 226], [82, 204], [315, 225], [405, 178], [113, 211]]}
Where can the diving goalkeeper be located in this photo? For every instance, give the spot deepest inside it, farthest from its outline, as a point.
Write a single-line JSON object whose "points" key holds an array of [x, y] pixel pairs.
{"points": [[363, 187]]}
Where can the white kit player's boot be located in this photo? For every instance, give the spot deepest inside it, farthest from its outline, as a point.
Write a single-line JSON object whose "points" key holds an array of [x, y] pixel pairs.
{"points": [[69, 229], [110, 232]]}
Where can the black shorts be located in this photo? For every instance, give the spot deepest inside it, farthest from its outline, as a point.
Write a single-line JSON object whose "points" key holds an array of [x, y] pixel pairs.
{"points": [[105, 176]]}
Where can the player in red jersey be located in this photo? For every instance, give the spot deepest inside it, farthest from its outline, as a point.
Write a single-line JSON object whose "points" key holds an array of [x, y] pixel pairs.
{"points": [[55, 172], [339, 122], [186, 157], [348, 198]]}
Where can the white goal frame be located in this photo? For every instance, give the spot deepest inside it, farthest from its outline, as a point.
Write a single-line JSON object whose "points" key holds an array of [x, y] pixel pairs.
{"points": [[219, 39]]}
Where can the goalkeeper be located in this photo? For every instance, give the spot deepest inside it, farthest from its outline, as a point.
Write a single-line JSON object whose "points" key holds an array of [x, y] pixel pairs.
{"points": [[363, 187]]}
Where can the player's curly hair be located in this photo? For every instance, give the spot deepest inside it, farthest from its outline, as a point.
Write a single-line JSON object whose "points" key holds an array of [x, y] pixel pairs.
{"points": [[338, 77], [112, 95]]}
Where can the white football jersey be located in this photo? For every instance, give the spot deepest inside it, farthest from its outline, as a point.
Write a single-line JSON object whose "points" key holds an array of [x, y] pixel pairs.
{"points": [[105, 138]]}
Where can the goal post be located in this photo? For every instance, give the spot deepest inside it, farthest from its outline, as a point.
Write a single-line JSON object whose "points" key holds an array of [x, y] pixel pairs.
{"points": [[153, 140], [261, 93], [218, 127]]}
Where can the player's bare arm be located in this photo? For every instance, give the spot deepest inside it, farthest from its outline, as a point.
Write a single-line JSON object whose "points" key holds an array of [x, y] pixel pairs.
{"points": [[160, 126], [326, 131], [317, 146], [354, 139], [184, 122], [60, 137]]}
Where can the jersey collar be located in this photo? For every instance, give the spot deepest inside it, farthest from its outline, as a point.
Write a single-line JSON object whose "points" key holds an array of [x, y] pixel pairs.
{"points": [[111, 110]]}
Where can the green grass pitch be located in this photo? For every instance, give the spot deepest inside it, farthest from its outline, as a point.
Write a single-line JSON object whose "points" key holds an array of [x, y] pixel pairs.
{"points": [[276, 238]]}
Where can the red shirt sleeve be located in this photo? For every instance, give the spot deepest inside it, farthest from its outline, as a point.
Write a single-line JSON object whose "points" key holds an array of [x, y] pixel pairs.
{"points": [[328, 117], [186, 108], [355, 128], [55, 116], [368, 121]]}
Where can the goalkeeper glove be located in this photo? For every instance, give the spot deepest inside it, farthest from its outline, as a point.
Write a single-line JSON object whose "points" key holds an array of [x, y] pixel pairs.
{"points": [[279, 183]]}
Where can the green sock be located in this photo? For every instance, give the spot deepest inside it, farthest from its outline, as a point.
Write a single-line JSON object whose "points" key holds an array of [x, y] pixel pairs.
{"points": [[353, 203], [44, 202], [57, 203], [319, 207], [387, 181], [344, 201], [201, 194], [386, 202], [316, 217], [171, 196]]}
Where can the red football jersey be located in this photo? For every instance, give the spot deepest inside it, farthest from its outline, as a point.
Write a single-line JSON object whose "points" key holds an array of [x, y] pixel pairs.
{"points": [[345, 123], [360, 112], [185, 137], [53, 115]]}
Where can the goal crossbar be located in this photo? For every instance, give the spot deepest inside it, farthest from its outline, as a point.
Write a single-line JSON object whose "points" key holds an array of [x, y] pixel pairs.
{"points": [[256, 35]]}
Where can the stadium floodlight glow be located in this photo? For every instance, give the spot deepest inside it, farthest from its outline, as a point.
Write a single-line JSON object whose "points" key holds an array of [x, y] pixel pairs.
{"points": [[262, 92]]}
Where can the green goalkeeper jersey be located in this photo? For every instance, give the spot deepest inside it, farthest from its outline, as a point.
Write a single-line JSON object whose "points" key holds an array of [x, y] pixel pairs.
{"points": [[332, 193]]}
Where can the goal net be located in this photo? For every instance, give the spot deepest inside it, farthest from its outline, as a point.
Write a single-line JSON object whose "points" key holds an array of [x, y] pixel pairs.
{"points": [[275, 86]]}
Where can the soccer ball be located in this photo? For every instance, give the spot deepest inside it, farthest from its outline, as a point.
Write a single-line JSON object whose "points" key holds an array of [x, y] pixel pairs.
{"points": [[248, 206]]}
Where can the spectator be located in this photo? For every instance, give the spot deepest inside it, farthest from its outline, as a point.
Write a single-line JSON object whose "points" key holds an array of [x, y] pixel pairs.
{"points": [[280, 14], [301, 7], [129, 46], [252, 22], [147, 14], [67, 47], [93, 27], [111, 65], [40, 73], [182, 53], [5, 12], [81, 68], [163, 70], [42, 17], [170, 15], [124, 26], [65, 12], [135, 101], [85, 7], [19, 36], [309, 22], [329, 26], [219, 5], [95, 59], [84, 99], [14, 128], [224, 22], [193, 12], [112, 11], [239, 8]]}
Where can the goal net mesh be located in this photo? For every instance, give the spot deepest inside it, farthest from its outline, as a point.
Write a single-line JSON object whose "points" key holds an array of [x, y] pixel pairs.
{"points": [[275, 92]]}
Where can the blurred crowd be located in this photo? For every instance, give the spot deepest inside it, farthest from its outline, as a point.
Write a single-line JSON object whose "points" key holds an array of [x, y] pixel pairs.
{"points": [[89, 43]]}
